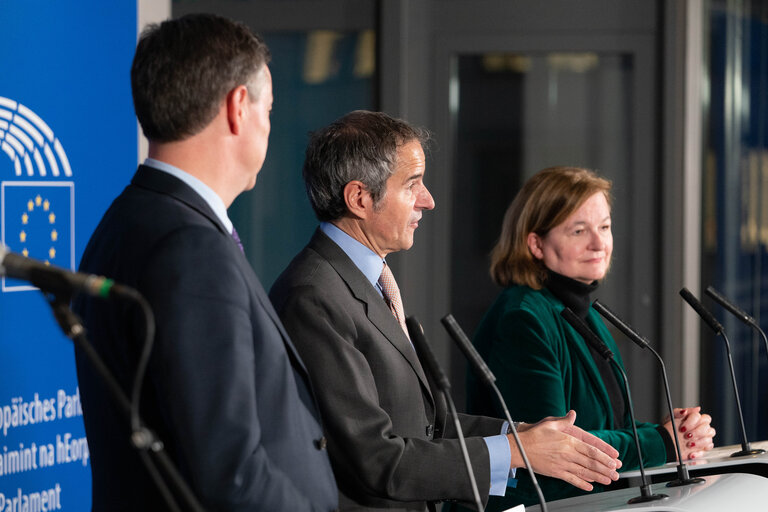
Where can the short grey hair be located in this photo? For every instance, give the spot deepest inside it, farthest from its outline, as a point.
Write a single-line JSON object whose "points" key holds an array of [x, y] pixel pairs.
{"points": [[360, 146]]}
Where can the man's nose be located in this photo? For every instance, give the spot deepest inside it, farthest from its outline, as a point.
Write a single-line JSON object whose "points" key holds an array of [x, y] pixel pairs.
{"points": [[425, 200]]}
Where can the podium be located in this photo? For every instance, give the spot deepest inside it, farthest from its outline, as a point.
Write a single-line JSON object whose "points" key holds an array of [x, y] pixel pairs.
{"points": [[717, 461], [732, 491]]}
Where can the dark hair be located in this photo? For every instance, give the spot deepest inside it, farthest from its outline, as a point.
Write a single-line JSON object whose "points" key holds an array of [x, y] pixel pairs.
{"points": [[184, 68], [546, 200], [361, 146]]}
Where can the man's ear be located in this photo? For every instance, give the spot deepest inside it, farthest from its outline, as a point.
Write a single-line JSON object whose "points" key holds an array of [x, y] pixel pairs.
{"points": [[534, 245], [237, 103], [358, 199]]}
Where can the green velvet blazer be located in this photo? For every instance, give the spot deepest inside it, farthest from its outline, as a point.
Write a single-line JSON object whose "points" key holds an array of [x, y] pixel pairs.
{"points": [[544, 368]]}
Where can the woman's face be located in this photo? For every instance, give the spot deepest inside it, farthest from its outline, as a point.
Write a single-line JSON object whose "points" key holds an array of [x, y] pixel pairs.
{"points": [[581, 246]]}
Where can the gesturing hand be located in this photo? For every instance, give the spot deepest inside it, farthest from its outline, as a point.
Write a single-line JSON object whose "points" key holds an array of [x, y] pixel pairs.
{"points": [[558, 448]]}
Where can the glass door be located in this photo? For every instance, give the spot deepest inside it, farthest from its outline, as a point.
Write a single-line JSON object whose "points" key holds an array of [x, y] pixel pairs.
{"points": [[508, 90]]}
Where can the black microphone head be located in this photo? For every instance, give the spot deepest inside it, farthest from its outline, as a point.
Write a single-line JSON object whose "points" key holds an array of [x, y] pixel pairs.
{"points": [[469, 350], [3, 252], [14, 265], [583, 329], [697, 306], [413, 326], [625, 328], [730, 306], [424, 351], [61, 282]]}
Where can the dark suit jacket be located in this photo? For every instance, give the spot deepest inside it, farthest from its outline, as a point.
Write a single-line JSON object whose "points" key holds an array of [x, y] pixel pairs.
{"points": [[525, 340], [225, 389], [389, 442]]}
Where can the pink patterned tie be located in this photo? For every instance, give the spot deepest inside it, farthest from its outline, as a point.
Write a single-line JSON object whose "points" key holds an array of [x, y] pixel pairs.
{"points": [[392, 296]]}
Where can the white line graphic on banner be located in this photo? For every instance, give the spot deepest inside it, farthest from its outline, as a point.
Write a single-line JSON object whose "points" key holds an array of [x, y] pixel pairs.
{"points": [[37, 218]]}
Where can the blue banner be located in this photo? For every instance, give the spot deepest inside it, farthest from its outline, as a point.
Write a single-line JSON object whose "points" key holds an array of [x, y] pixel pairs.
{"points": [[68, 145]]}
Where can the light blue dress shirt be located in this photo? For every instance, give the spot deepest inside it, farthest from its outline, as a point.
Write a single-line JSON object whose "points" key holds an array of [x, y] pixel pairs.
{"points": [[203, 190], [371, 264]]}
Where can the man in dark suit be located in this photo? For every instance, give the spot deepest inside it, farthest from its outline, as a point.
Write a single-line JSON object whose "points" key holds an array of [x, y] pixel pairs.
{"points": [[225, 390], [390, 444]]}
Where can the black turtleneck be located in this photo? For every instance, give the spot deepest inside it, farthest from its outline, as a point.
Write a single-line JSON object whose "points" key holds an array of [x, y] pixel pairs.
{"points": [[575, 295]]}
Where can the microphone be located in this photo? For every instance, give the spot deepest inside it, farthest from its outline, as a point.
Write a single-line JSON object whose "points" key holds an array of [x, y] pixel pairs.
{"points": [[739, 313], [424, 351], [705, 315], [62, 284], [596, 343], [416, 332], [683, 478], [709, 319], [487, 376], [55, 280], [469, 351]]}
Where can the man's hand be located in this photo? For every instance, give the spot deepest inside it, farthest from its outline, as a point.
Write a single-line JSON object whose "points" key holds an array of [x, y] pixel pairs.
{"points": [[557, 448]]}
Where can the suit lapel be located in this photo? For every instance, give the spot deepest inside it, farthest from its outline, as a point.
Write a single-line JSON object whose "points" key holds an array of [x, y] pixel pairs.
{"points": [[377, 310], [164, 183]]}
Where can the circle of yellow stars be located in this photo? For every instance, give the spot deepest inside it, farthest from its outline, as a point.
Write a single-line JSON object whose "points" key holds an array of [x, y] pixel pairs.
{"points": [[39, 202]]}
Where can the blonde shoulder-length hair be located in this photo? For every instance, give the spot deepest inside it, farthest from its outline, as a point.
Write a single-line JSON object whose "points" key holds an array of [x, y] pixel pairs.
{"points": [[546, 200]]}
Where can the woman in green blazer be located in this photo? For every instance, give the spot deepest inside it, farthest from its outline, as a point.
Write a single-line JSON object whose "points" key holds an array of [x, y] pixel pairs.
{"points": [[554, 248]]}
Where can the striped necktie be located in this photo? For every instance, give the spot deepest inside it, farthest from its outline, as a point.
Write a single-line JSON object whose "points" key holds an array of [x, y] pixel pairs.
{"points": [[392, 296]]}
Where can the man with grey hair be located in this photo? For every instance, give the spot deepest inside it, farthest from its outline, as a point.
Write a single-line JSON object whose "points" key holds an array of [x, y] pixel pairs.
{"points": [[389, 442], [225, 390]]}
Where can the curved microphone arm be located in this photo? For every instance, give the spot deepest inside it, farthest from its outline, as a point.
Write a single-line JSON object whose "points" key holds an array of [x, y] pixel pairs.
{"points": [[683, 477], [717, 328], [424, 351], [487, 376], [746, 449], [591, 338], [73, 328], [737, 312]]}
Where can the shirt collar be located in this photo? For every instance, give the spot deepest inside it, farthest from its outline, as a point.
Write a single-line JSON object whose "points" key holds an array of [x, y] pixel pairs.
{"points": [[369, 263], [203, 190]]}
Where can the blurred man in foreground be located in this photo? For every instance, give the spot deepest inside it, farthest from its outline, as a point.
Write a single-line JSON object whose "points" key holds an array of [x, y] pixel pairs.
{"points": [[225, 389]]}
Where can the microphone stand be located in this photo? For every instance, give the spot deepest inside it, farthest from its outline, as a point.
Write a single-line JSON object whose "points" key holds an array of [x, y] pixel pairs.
{"points": [[144, 440], [487, 376], [713, 324], [739, 313], [590, 337], [683, 477], [416, 332]]}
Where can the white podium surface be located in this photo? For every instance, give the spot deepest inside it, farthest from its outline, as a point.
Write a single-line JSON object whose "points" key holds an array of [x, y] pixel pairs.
{"points": [[732, 492], [716, 459]]}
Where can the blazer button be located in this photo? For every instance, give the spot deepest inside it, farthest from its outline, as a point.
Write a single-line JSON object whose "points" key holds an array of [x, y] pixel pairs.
{"points": [[430, 431], [321, 443]]}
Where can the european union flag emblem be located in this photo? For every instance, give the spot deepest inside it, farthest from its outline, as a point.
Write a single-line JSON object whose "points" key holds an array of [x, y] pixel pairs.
{"points": [[38, 222]]}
